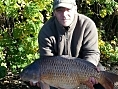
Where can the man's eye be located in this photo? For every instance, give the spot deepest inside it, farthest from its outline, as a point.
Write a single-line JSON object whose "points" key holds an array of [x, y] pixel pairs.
{"points": [[62, 10], [69, 9], [59, 10]]}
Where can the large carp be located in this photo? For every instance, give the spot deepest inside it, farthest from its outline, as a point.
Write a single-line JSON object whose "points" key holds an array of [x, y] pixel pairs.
{"points": [[66, 72]]}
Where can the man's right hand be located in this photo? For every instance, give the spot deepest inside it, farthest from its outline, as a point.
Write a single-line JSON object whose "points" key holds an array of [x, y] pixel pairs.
{"points": [[35, 84], [40, 84]]}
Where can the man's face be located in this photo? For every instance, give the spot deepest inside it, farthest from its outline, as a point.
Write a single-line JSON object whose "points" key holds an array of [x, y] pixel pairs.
{"points": [[65, 16]]}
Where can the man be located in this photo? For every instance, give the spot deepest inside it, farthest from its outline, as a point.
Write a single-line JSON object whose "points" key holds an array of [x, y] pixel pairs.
{"points": [[70, 33]]}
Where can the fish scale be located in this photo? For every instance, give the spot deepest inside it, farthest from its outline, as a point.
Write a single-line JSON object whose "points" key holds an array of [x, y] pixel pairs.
{"points": [[66, 72], [66, 69]]}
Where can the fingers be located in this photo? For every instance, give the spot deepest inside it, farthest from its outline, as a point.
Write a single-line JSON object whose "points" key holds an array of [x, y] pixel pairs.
{"points": [[98, 69], [34, 84], [93, 80], [89, 84], [31, 83], [38, 84]]}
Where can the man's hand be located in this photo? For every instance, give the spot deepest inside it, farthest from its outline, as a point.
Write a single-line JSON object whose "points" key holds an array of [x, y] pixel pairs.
{"points": [[35, 84], [40, 84], [92, 81]]}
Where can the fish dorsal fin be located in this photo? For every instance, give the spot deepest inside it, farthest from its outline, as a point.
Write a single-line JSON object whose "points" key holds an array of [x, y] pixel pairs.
{"points": [[78, 59]]}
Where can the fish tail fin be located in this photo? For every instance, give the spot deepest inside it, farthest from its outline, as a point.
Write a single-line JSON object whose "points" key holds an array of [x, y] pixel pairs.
{"points": [[108, 79]]}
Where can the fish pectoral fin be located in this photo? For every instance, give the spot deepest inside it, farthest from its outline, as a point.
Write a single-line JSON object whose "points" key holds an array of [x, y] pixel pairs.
{"points": [[89, 84], [107, 83], [108, 79], [44, 85]]}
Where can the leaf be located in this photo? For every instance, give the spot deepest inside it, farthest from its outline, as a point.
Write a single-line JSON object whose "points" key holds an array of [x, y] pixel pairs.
{"points": [[3, 71], [103, 13]]}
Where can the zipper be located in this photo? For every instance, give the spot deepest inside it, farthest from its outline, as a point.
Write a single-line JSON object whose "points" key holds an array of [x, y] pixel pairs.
{"points": [[66, 42]]}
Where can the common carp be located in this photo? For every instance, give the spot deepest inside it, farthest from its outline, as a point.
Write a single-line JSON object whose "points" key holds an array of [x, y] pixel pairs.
{"points": [[66, 72]]}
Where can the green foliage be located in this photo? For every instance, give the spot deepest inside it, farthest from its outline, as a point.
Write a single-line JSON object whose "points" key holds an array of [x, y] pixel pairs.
{"points": [[20, 23], [101, 7], [105, 15], [21, 20], [108, 49], [3, 71]]}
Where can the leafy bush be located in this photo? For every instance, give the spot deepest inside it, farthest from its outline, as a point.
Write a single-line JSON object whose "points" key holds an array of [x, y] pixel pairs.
{"points": [[20, 23], [105, 15], [109, 49], [3, 71]]}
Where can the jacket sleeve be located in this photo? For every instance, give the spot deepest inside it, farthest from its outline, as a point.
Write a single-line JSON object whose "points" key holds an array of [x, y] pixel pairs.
{"points": [[45, 41], [90, 49]]}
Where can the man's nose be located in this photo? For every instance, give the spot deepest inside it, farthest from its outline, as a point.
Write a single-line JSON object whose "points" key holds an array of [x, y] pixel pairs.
{"points": [[65, 13]]}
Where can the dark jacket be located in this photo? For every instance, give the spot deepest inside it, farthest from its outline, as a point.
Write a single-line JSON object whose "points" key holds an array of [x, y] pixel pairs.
{"points": [[80, 39]]}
